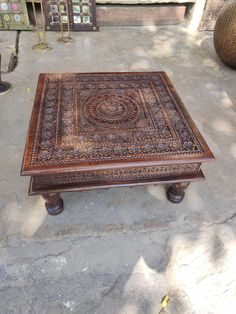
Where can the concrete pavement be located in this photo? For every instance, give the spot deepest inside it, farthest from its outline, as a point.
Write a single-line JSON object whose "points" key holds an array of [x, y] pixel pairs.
{"points": [[119, 251]]}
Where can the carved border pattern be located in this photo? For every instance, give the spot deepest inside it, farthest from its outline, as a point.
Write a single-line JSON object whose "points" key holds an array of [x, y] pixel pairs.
{"points": [[65, 136], [107, 175]]}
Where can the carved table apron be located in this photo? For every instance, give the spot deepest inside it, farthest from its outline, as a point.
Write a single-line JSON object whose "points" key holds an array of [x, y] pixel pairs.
{"points": [[99, 130]]}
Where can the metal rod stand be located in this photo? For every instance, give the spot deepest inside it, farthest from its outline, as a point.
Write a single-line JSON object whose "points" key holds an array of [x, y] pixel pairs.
{"points": [[4, 86]]}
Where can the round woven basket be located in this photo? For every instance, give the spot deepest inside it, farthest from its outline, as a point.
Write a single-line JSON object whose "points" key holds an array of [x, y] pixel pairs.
{"points": [[225, 34]]}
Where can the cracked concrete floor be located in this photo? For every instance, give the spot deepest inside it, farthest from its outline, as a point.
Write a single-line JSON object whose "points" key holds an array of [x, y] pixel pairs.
{"points": [[119, 251]]}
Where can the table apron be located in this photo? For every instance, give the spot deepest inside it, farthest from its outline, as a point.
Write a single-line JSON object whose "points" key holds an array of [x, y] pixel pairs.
{"points": [[85, 180]]}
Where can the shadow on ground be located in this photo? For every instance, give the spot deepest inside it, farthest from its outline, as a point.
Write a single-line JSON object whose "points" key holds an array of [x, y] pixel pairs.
{"points": [[121, 250]]}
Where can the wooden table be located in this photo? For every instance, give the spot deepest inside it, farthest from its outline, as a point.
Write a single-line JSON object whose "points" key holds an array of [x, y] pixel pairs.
{"points": [[100, 130]]}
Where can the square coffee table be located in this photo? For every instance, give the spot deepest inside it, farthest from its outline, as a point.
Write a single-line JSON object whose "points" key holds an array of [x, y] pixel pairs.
{"points": [[100, 130]]}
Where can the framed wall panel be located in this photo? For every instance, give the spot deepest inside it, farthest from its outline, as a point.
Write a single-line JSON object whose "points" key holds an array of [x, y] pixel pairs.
{"points": [[14, 15], [82, 15]]}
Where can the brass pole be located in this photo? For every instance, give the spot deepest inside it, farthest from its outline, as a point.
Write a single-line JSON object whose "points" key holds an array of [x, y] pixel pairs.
{"points": [[61, 25], [42, 45], [36, 22], [65, 39], [43, 21], [68, 19]]}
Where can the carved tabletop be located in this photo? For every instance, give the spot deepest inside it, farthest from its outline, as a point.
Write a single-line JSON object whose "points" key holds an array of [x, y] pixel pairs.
{"points": [[94, 130]]}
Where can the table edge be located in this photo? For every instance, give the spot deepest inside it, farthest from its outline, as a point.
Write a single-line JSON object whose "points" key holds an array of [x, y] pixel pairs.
{"points": [[27, 170]]}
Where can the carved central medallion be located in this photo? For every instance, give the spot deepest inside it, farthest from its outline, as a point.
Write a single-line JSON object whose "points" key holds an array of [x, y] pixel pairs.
{"points": [[108, 117], [113, 110]]}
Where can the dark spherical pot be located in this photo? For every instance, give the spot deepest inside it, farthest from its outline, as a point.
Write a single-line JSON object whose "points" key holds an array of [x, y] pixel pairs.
{"points": [[225, 34]]}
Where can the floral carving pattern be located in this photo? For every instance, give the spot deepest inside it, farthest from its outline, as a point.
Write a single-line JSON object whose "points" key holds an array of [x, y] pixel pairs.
{"points": [[92, 118], [102, 176], [112, 110]]}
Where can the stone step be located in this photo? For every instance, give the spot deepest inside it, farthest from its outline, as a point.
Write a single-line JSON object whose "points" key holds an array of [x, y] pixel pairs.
{"points": [[140, 15]]}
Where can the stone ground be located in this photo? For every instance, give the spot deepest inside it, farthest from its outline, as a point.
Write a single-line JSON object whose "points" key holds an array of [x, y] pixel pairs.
{"points": [[119, 251]]}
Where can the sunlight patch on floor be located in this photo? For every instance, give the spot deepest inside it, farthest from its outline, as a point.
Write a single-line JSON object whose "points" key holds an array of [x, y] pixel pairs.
{"points": [[24, 222], [143, 284], [204, 272], [151, 28], [211, 64], [157, 191], [223, 126], [163, 49], [33, 220], [193, 198], [142, 64], [226, 101], [233, 150], [142, 267]]}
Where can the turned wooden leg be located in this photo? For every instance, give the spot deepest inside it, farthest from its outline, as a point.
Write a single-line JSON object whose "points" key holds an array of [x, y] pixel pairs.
{"points": [[54, 204], [175, 192]]}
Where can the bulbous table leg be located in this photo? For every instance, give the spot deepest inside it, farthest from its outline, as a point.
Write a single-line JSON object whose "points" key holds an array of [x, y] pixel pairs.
{"points": [[54, 204], [175, 192]]}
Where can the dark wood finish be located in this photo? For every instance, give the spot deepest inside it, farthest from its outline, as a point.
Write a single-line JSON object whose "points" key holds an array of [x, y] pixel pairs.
{"points": [[175, 193], [96, 130], [54, 204], [67, 186], [136, 15]]}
